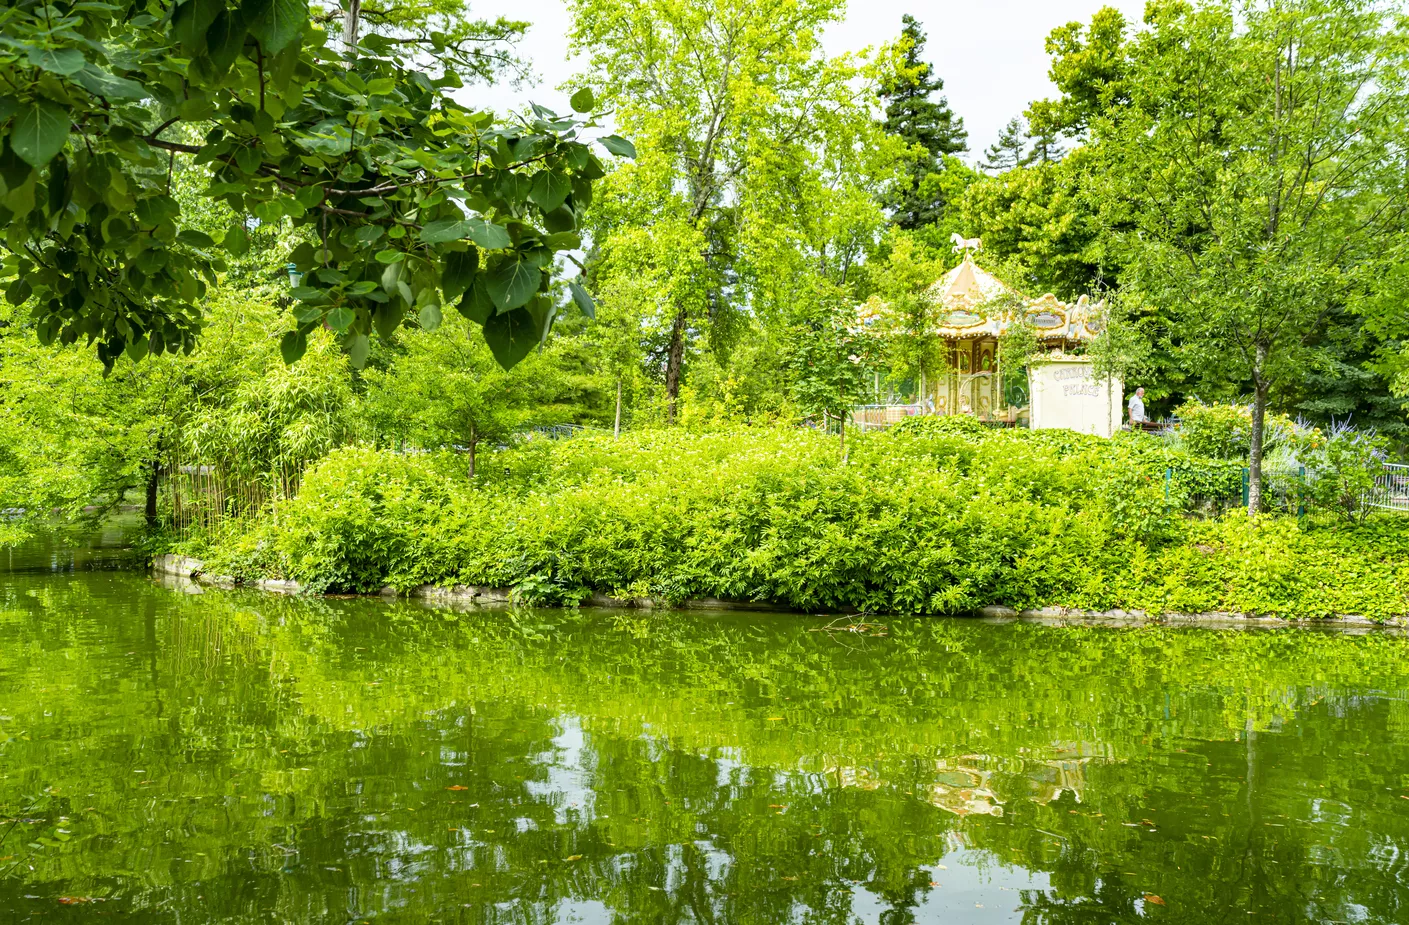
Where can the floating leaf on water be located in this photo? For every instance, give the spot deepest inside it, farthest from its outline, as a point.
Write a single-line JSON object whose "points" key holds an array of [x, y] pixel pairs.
{"points": [[1152, 898], [457, 787]]}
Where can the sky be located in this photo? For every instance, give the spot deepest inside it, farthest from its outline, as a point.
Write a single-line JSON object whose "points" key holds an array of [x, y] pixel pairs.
{"points": [[988, 52]]}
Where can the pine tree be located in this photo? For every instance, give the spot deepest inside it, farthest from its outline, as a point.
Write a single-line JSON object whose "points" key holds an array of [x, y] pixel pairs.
{"points": [[1046, 149], [1009, 150], [929, 123]]}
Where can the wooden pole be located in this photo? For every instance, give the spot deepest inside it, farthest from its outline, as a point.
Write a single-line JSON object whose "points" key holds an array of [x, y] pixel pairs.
{"points": [[616, 427]]}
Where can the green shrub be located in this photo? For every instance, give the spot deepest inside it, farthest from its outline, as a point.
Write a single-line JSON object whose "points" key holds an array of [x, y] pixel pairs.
{"points": [[925, 518], [1345, 467], [1215, 431]]}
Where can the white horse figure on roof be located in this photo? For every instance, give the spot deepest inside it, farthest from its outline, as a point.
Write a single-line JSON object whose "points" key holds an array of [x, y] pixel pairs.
{"points": [[965, 244]]}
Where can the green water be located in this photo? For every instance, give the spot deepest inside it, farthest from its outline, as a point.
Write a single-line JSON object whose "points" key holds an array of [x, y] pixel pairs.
{"points": [[169, 757]]}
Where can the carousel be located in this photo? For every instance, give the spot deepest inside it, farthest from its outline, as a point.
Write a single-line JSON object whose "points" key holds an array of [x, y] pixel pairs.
{"points": [[972, 310]]}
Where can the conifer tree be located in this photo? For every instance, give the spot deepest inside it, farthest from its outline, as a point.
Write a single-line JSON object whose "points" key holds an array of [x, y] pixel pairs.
{"points": [[1009, 150], [1046, 148], [921, 119]]}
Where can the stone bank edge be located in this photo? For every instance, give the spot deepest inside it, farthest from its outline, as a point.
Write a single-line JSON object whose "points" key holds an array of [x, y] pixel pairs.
{"points": [[184, 568]]}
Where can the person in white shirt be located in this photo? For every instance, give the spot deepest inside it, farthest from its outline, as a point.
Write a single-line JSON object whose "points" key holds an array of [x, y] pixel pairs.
{"points": [[1137, 409]]}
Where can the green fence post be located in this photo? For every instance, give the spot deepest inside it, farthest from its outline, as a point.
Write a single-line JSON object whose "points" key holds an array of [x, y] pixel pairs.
{"points": [[1301, 498], [1168, 476], [1245, 487]]}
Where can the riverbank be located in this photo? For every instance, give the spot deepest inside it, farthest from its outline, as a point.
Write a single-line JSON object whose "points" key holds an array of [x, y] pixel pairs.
{"points": [[183, 571], [928, 520]]}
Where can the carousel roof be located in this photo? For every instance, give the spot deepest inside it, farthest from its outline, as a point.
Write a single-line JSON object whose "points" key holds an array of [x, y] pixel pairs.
{"points": [[975, 303]]}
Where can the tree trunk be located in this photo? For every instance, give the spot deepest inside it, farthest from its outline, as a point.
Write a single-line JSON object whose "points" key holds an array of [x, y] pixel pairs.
{"points": [[351, 24], [842, 443], [153, 483], [474, 446], [1259, 417], [672, 366], [616, 427]]}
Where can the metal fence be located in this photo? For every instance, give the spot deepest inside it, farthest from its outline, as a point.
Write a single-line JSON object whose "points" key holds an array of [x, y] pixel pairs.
{"points": [[1391, 491]]}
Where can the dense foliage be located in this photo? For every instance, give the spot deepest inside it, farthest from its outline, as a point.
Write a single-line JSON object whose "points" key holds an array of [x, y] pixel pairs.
{"points": [[928, 518], [777, 187], [407, 199]]}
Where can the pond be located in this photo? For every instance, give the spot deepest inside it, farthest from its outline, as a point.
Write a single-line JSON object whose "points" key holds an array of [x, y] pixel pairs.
{"points": [[232, 757]]}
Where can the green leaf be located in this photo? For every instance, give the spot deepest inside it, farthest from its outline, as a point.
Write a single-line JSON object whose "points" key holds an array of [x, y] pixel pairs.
{"points": [[368, 234], [389, 277], [513, 283], [549, 190], [18, 291], [192, 19], [476, 304], [583, 101], [388, 318], [457, 272], [39, 131], [310, 196], [511, 336], [560, 220], [307, 314], [195, 238], [430, 316], [445, 230], [488, 235], [563, 241], [583, 298], [225, 38], [619, 146], [109, 86], [341, 318], [278, 23], [357, 350], [292, 347], [63, 61]]}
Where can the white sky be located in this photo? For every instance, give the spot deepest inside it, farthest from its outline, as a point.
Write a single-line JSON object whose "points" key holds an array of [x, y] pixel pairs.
{"points": [[989, 52]]}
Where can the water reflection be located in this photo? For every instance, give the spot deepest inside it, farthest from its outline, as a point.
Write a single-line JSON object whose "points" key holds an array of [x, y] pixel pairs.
{"points": [[233, 757]]}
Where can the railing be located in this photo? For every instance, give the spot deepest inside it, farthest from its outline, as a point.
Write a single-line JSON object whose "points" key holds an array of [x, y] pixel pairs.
{"points": [[557, 431], [883, 415], [1391, 491]]}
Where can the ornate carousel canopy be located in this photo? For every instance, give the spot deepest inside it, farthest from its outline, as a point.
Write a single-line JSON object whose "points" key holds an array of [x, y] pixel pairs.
{"points": [[975, 303]]}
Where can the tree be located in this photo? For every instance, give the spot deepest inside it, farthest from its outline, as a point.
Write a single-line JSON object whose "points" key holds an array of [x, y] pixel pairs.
{"points": [[1121, 347], [406, 199], [1046, 149], [926, 124], [828, 356], [1038, 221], [906, 314], [1254, 175], [434, 32], [1089, 67], [758, 155], [445, 389], [1008, 151]]}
